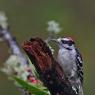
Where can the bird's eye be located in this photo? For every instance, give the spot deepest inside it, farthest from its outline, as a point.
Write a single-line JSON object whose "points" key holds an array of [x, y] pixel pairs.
{"points": [[64, 42], [67, 42]]}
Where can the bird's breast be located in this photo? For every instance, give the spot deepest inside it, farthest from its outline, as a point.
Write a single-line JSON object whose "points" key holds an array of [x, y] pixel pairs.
{"points": [[66, 60]]}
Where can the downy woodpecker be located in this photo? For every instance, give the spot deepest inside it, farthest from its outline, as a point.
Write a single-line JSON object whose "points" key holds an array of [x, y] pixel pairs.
{"points": [[71, 62]]}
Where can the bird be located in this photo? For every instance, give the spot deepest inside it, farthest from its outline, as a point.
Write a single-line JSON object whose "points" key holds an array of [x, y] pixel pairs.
{"points": [[70, 59]]}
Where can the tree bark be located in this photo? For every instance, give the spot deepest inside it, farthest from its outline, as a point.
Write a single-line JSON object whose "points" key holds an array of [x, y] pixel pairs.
{"points": [[50, 72]]}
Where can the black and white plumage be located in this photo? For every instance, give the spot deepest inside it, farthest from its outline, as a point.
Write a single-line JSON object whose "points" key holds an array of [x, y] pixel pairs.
{"points": [[71, 62], [79, 63]]}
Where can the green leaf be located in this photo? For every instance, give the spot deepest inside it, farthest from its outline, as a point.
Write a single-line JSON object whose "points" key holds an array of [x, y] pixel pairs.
{"points": [[33, 68], [31, 88]]}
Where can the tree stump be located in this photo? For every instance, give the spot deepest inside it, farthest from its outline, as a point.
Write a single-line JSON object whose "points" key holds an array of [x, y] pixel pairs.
{"points": [[50, 72]]}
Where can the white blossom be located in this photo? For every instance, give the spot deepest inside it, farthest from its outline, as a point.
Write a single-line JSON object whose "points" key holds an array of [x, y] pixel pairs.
{"points": [[53, 26], [3, 20], [14, 65], [24, 75], [10, 64]]}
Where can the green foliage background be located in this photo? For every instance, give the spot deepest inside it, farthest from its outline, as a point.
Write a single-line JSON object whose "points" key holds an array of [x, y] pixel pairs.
{"points": [[28, 18]]}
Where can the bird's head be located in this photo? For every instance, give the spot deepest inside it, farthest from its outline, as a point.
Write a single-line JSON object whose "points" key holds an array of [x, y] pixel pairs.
{"points": [[66, 42]]}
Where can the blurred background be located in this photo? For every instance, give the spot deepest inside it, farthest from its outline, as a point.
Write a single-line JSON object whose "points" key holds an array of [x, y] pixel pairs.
{"points": [[28, 18]]}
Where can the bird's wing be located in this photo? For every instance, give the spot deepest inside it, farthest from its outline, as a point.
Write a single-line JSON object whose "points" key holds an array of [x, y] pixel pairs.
{"points": [[79, 63]]}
